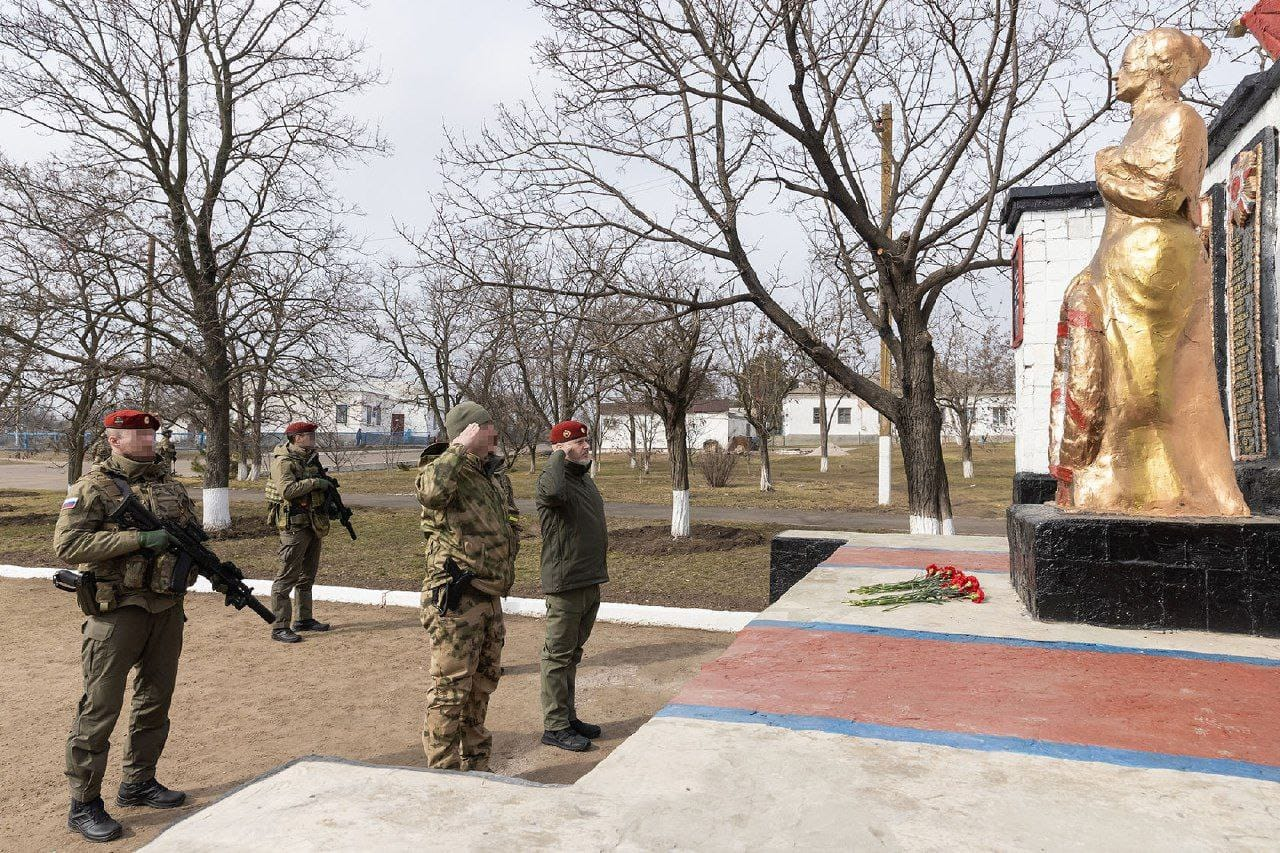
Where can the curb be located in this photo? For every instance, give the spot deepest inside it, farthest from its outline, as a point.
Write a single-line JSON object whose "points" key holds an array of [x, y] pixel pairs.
{"points": [[654, 616]]}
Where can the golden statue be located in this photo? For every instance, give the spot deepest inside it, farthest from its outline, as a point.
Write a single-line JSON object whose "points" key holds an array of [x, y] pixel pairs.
{"points": [[1136, 423]]}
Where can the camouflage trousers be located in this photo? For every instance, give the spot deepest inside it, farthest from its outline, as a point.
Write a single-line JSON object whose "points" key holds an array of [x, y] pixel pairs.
{"points": [[299, 563], [466, 663], [113, 644]]}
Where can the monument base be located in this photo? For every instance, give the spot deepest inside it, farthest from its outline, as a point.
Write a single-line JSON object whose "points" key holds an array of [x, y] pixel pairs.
{"points": [[1032, 488], [1260, 485], [1204, 574]]}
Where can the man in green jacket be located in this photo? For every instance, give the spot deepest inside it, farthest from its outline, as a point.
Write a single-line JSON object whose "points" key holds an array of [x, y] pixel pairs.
{"points": [[296, 502], [574, 544], [472, 532]]}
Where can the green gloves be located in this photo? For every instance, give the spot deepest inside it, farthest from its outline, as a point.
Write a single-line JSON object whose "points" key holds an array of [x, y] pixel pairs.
{"points": [[155, 540], [321, 484]]}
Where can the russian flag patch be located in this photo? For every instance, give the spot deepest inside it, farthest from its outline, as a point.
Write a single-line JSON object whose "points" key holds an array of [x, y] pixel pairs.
{"points": [[70, 503]]}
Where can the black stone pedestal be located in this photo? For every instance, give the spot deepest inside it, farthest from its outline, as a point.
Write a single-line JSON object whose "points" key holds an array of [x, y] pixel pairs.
{"points": [[1206, 574], [795, 553], [1260, 484]]}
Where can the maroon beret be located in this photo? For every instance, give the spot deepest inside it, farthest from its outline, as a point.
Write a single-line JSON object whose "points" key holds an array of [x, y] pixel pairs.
{"points": [[131, 419], [298, 427], [568, 431]]}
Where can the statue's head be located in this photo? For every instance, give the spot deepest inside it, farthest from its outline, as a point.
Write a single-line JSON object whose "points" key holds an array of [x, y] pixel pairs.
{"points": [[1162, 58]]}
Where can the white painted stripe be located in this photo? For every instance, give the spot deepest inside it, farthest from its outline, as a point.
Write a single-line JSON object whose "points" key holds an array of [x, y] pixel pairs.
{"points": [[610, 611]]}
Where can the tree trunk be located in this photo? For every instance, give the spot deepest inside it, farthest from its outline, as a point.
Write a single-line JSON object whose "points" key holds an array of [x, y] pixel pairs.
{"points": [[920, 434], [678, 454], [533, 458], [966, 443], [766, 470], [217, 458], [824, 460], [631, 433]]}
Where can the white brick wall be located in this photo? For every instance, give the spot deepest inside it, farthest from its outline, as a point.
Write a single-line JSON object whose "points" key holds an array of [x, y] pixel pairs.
{"points": [[1057, 245]]}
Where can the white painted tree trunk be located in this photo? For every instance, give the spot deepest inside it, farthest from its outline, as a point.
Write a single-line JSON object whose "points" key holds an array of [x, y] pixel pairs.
{"points": [[217, 509], [923, 524], [242, 470], [255, 471], [824, 464], [886, 447], [679, 515], [765, 484], [968, 469], [595, 467], [633, 463]]}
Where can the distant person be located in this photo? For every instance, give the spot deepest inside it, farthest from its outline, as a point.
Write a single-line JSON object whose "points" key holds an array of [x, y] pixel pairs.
{"points": [[296, 498], [471, 526], [133, 620], [574, 547], [166, 452]]}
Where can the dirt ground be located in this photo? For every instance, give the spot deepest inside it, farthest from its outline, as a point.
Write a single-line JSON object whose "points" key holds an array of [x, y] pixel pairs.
{"points": [[244, 704]]}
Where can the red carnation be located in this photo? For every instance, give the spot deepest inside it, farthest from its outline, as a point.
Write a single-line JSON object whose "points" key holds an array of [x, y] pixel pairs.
{"points": [[978, 597]]}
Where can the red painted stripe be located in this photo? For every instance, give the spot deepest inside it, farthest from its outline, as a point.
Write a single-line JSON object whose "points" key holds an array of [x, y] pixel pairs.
{"points": [[969, 561], [1166, 705]]}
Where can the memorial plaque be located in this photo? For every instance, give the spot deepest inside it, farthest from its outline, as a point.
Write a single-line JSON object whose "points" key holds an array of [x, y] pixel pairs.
{"points": [[1247, 323]]}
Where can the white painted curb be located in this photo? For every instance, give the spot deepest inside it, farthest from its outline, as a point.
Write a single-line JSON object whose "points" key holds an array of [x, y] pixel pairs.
{"points": [[625, 614]]}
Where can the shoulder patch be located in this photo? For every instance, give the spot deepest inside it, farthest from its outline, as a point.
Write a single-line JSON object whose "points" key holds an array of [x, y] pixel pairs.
{"points": [[70, 502]]}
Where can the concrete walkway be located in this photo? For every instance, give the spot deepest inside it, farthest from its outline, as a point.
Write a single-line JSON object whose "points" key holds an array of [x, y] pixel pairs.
{"points": [[829, 727]]}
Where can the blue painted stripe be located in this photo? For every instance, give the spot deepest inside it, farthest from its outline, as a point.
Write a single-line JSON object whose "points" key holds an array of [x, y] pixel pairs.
{"points": [[917, 568], [980, 742], [1014, 642]]}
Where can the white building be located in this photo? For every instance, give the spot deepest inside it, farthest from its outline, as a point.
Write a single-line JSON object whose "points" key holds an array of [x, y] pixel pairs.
{"points": [[708, 420], [990, 419], [359, 413], [1055, 231], [851, 420]]}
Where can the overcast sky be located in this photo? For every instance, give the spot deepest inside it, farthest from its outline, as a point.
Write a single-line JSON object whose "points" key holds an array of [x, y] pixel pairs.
{"points": [[445, 62], [450, 63]]}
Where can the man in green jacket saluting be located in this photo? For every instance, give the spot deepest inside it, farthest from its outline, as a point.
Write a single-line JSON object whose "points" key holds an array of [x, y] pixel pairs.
{"points": [[574, 543]]}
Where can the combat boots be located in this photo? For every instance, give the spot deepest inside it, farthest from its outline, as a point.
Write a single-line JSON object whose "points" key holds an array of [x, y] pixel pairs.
{"points": [[91, 820], [590, 731], [310, 625], [284, 635], [149, 793], [566, 739]]}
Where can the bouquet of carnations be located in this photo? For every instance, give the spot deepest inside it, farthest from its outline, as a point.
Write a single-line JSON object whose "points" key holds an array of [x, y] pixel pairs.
{"points": [[936, 586]]}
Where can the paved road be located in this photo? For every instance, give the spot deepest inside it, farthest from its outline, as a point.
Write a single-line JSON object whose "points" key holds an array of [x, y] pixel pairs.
{"points": [[25, 475]]}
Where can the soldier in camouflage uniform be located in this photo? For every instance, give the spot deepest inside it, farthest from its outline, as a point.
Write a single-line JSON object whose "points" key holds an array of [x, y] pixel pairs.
{"points": [[133, 621], [166, 453], [471, 524], [296, 497]]}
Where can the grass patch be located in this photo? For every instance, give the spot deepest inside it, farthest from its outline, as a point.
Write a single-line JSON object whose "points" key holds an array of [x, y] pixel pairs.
{"points": [[850, 484], [723, 567]]}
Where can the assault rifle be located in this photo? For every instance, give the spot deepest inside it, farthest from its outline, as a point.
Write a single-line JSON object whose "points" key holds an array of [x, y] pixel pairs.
{"points": [[333, 505], [192, 555]]}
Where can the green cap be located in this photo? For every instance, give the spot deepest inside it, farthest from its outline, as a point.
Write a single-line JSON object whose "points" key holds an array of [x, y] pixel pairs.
{"points": [[464, 415]]}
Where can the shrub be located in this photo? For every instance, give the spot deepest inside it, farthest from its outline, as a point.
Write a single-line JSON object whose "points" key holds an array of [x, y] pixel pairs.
{"points": [[717, 466]]}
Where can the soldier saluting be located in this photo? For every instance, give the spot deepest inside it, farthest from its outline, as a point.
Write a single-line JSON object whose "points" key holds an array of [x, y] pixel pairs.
{"points": [[134, 620], [469, 521], [296, 496]]}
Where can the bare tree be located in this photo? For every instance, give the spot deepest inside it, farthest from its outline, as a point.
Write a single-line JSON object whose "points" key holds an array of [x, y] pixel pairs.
{"points": [[223, 116], [761, 371], [62, 237], [669, 361], [831, 314], [725, 105], [973, 362]]}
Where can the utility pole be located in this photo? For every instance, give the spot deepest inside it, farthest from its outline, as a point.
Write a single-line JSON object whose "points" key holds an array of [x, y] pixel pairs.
{"points": [[885, 128]]}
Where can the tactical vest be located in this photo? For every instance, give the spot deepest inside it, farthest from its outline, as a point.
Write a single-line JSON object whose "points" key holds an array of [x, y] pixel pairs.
{"points": [[306, 511], [141, 571]]}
